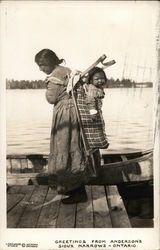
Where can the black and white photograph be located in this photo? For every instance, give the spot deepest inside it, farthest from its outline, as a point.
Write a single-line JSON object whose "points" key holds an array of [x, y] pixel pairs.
{"points": [[79, 125]]}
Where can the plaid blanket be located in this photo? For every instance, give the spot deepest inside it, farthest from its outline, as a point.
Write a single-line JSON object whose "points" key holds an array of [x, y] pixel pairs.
{"points": [[93, 127]]}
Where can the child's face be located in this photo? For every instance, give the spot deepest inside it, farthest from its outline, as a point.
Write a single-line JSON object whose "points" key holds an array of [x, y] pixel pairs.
{"points": [[98, 79], [46, 68]]}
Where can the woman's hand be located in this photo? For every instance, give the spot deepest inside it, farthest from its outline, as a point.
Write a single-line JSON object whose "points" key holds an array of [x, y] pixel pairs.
{"points": [[85, 78], [74, 78]]}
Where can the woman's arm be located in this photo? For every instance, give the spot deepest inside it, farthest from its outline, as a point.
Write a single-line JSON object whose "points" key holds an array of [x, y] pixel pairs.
{"points": [[55, 82], [52, 92]]}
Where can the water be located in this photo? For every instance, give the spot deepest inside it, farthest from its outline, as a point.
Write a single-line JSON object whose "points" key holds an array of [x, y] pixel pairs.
{"points": [[127, 114]]}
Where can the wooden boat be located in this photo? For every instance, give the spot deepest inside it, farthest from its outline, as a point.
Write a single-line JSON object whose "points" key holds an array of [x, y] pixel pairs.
{"points": [[116, 168]]}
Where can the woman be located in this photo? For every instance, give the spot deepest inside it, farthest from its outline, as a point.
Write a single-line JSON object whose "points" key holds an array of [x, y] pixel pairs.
{"points": [[67, 167]]}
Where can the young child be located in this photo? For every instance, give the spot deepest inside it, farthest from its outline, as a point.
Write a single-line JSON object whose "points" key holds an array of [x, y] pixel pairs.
{"points": [[90, 107], [95, 90]]}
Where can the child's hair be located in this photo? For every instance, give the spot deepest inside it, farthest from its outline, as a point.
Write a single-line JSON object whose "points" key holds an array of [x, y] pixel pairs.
{"points": [[47, 56], [94, 71]]}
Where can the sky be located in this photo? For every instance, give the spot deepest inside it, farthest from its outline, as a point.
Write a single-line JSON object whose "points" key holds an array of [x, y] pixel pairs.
{"points": [[80, 32]]}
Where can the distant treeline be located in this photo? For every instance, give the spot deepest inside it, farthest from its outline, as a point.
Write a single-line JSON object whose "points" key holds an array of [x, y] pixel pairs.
{"points": [[25, 84], [39, 84]]}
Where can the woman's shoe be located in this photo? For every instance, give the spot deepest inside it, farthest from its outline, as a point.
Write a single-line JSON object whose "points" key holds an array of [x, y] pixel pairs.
{"points": [[78, 195]]}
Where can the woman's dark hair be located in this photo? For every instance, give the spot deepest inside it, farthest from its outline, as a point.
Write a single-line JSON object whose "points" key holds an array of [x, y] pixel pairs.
{"points": [[94, 71], [47, 56]]}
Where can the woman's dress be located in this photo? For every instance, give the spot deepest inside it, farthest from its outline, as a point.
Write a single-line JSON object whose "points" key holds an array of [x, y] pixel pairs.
{"points": [[67, 164]]}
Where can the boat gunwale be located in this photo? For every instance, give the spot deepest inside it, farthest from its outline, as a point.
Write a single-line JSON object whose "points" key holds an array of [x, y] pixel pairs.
{"points": [[45, 156]]}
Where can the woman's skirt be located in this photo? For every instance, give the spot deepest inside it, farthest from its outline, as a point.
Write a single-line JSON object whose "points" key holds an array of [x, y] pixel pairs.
{"points": [[68, 167]]}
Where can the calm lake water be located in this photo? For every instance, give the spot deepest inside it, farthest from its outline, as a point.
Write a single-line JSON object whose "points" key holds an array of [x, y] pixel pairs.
{"points": [[127, 113]]}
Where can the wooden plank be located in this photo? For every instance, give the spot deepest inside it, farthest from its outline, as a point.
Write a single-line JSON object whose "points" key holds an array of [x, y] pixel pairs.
{"points": [[134, 172], [27, 178], [13, 189], [22, 179], [66, 217], [129, 161], [30, 165], [9, 165], [146, 169], [13, 200], [24, 166], [50, 210], [124, 158], [24, 156], [31, 214], [124, 172], [104, 154], [16, 156], [84, 214], [19, 189], [16, 166], [118, 212], [138, 222], [37, 165], [101, 211], [14, 215]]}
